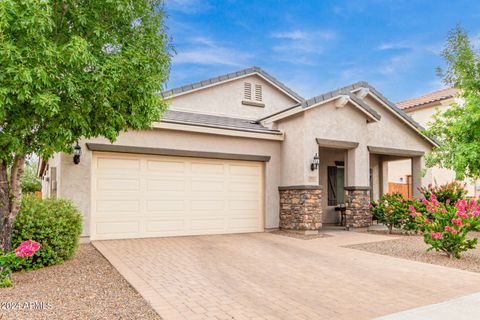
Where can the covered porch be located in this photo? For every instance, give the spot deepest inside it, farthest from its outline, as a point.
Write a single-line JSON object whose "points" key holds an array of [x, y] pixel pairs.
{"points": [[349, 177]]}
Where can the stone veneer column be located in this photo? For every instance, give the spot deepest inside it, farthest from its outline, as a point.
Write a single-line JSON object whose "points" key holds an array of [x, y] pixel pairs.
{"points": [[301, 208], [357, 202]]}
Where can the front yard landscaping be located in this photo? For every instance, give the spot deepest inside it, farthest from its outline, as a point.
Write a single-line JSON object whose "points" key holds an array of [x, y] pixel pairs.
{"points": [[413, 248], [85, 287]]}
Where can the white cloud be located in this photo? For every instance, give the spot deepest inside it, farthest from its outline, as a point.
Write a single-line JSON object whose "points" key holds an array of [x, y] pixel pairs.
{"points": [[187, 6], [434, 48], [297, 35], [206, 51], [394, 45], [291, 35], [302, 47]]}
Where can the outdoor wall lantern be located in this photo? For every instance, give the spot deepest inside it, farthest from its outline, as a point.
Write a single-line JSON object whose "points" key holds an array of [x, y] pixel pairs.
{"points": [[315, 162], [77, 152]]}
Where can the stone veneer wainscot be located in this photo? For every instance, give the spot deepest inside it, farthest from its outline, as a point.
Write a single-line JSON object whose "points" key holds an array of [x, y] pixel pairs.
{"points": [[357, 202], [300, 208]]}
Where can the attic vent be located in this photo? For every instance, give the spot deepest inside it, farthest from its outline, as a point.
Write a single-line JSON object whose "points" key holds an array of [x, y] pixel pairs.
{"points": [[258, 92], [247, 91]]}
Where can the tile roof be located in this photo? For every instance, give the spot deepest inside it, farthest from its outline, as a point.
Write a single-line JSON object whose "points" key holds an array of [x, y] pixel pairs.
{"points": [[231, 76], [348, 90], [204, 120], [338, 92], [428, 98]]}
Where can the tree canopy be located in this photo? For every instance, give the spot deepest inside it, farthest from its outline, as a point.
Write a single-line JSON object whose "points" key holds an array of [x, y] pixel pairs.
{"points": [[458, 128], [72, 69]]}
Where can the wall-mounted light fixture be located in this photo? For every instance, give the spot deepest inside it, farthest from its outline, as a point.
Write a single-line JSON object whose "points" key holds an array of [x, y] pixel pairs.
{"points": [[77, 152], [315, 162]]}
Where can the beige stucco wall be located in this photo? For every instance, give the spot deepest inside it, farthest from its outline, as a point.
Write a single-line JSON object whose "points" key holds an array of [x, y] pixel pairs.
{"points": [[398, 170], [76, 184], [226, 100], [292, 149], [424, 116], [347, 124]]}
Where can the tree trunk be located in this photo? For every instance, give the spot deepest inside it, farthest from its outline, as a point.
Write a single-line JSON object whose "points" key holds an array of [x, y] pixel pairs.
{"points": [[10, 196]]}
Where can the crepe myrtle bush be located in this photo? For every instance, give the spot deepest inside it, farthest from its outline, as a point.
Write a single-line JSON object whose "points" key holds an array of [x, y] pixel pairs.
{"points": [[446, 226], [393, 211], [449, 192]]}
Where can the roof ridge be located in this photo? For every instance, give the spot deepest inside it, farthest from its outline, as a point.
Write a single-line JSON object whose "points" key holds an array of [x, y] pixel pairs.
{"points": [[424, 95], [231, 76]]}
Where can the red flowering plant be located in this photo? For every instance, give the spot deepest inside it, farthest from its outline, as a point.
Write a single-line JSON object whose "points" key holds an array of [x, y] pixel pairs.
{"points": [[445, 226], [393, 211], [10, 260]]}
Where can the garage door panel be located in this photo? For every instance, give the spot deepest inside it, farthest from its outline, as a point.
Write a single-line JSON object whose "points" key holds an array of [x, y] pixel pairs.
{"points": [[207, 185], [117, 184], [207, 168], [117, 206], [213, 224], [119, 227], [168, 167], [111, 164], [239, 170], [243, 205], [244, 186], [166, 184], [147, 196], [165, 205], [197, 205], [163, 225]]}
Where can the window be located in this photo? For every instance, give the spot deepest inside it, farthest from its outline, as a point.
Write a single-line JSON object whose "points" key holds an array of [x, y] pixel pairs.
{"points": [[258, 92], [335, 177], [247, 91], [53, 182]]}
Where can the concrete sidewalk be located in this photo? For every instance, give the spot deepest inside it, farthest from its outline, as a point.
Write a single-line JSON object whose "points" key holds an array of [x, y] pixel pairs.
{"points": [[464, 308]]}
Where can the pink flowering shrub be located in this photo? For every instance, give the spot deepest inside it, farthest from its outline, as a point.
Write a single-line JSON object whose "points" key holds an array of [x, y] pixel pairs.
{"points": [[445, 226], [446, 193], [10, 261]]}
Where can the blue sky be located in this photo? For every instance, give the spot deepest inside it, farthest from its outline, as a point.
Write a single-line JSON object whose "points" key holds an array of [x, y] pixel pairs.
{"points": [[317, 46]]}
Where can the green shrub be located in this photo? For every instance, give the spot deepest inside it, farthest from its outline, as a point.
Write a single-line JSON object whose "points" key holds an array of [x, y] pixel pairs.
{"points": [[55, 224], [393, 211]]}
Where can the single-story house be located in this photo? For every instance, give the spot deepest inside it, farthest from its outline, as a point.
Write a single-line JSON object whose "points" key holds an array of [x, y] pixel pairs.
{"points": [[241, 152]]}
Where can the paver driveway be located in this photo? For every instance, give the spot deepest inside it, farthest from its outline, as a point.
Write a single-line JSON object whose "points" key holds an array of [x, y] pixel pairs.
{"points": [[267, 276]]}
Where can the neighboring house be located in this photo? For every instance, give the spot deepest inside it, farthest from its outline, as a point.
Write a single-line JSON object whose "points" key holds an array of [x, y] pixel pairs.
{"points": [[422, 109], [238, 153]]}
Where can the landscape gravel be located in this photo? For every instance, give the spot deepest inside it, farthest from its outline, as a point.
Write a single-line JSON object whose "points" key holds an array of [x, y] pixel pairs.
{"points": [[85, 287], [414, 248]]}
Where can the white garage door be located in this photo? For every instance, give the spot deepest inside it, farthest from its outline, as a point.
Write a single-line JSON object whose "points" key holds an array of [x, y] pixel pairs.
{"points": [[137, 196]]}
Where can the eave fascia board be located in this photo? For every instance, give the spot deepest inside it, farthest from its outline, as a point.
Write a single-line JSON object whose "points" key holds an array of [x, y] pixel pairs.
{"points": [[293, 111], [219, 131], [371, 116]]}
